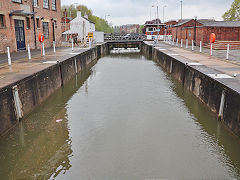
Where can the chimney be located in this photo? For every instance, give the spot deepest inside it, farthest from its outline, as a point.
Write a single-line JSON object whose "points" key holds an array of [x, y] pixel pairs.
{"points": [[79, 14]]}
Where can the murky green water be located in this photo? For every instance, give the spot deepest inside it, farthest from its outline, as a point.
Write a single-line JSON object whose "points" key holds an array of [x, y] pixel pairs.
{"points": [[122, 119]]}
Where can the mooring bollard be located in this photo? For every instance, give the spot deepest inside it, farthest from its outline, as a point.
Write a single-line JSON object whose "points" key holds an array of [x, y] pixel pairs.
{"points": [[90, 43], [200, 46], [192, 45], [29, 53], [9, 57], [228, 49], [211, 50], [186, 43], [181, 43], [54, 46], [72, 44], [75, 64], [43, 49]]}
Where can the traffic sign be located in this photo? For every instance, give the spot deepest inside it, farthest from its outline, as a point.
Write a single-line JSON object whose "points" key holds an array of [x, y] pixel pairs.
{"points": [[90, 35]]}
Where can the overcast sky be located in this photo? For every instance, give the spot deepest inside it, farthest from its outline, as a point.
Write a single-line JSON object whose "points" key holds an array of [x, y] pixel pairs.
{"points": [[138, 11]]}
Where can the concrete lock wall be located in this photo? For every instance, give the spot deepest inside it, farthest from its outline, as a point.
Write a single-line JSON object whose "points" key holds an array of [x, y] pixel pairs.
{"points": [[19, 99], [207, 89]]}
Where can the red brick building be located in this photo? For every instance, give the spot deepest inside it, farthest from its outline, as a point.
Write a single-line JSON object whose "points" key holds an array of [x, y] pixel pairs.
{"points": [[65, 23], [169, 27], [18, 19], [200, 30], [130, 28]]}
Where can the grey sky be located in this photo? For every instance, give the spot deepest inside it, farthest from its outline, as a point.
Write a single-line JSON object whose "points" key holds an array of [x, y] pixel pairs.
{"points": [[138, 11]]}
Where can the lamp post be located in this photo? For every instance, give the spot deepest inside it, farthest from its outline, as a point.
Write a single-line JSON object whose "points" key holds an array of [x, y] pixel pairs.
{"points": [[163, 12], [157, 22], [150, 13], [34, 25], [181, 8], [107, 15]]}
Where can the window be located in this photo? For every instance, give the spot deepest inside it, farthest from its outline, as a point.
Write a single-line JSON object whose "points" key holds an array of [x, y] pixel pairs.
{"points": [[28, 22], [45, 4], [35, 3], [38, 23], [2, 21], [45, 30], [53, 4], [18, 1]]}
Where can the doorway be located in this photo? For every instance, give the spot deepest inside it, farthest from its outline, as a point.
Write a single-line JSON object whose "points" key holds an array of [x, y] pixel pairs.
{"points": [[20, 35]]}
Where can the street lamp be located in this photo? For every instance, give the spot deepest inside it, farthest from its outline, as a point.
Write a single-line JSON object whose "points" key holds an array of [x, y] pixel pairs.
{"points": [[181, 8], [163, 12], [157, 22], [107, 15]]}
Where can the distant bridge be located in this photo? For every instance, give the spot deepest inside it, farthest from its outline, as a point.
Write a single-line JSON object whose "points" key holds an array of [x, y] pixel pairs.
{"points": [[118, 38]]}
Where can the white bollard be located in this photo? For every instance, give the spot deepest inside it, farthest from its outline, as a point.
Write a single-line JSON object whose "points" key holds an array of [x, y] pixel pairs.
{"points": [[192, 45], [200, 46], [72, 44], [90, 43], [54, 46], [181, 43], [173, 41], [186, 43], [43, 49], [211, 50], [29, 53], [228, 51], [9, 57]]}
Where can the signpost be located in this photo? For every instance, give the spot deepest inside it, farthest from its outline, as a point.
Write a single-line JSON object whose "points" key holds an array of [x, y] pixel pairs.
{"points": [[90, 37]]}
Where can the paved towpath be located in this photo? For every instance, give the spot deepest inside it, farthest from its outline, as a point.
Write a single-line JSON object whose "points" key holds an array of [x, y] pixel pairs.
{"points": [[15, 56], [234, 55], [22, 67]]}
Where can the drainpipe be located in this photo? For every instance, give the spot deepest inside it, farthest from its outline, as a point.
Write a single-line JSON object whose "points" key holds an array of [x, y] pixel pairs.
{"points": [[34, 26], [195, 31]]}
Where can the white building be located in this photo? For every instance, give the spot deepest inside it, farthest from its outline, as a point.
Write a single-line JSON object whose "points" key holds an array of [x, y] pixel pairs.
{"points": [[80, 26]]}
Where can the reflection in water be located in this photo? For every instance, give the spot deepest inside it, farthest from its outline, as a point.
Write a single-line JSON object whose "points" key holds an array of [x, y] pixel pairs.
{"points": [[217, 134], [122, 119], [39, 147]]}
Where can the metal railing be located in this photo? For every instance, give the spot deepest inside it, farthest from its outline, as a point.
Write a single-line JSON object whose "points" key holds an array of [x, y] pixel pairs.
{"points": [[117, 37]]}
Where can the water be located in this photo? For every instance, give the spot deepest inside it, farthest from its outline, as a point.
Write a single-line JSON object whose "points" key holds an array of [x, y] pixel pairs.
{"points": [[122, 119]]}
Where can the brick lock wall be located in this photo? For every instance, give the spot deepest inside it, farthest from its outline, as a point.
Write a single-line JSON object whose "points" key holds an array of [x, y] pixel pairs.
{"points": [[7, 34]]}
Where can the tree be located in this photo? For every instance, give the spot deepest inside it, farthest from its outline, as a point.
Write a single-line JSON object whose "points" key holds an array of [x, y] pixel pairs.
{"points": [[141, 29], [233, 14]]}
